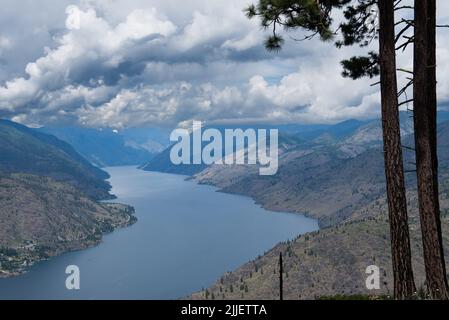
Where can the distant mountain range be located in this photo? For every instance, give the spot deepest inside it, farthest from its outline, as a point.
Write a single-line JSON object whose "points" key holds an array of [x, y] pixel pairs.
{"points": [[350, 138], [162, 162], [49, 192], [313, 176], [289, 136], [108, 147]]}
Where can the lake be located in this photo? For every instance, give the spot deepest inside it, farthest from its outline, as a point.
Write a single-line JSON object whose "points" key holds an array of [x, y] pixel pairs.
{"points": [[186, 237]]}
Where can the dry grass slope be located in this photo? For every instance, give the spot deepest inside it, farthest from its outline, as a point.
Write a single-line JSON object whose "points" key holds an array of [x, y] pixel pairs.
{"points": [[40, 218]]}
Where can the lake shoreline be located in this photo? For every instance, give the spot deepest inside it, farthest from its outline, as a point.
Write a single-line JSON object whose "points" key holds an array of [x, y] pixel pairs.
{"points": [[264, 206], [27, 257], [182, 226]]}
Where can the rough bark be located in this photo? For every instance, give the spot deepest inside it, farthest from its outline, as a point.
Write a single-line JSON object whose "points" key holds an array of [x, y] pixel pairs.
{"points": [[425, 114], [404, 285]]}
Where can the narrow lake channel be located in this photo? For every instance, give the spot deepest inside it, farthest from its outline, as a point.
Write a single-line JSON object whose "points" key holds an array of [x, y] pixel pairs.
{"points": [[186, 237]]}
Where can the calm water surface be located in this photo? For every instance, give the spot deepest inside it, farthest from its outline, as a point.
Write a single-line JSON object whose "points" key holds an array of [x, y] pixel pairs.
{"points": [[186, 237]]}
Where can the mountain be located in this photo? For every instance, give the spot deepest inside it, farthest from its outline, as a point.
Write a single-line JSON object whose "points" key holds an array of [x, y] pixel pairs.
{"points": [[313, 173], [369, 136], [314, 182], [24, 150], [336, 131], [313, 177], [48, 196], [328, 264], [304, 134], [346, 139], [41, 218], [107, 147], [348, 197], [162, 162]]}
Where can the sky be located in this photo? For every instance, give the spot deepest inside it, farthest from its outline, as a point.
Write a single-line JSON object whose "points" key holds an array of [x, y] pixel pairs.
{"points": [[134, 63]]}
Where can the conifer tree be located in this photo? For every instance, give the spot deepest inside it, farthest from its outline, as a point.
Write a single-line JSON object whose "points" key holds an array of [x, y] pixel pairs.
{"points": [[425, 118], [315, 17]]}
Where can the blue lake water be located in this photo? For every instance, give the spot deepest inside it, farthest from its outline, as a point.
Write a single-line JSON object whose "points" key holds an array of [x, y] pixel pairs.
{"points": [[186, 237]]}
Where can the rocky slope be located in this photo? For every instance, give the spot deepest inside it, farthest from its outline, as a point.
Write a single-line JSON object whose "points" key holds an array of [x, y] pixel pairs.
{"points": [[347, 195], [325, 181], [314, 182], [40, 218], [48, 199], [332, 261]]}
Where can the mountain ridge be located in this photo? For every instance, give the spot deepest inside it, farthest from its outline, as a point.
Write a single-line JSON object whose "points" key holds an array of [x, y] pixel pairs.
{"points": [[107, 147], [48, 199], [23, 150]]}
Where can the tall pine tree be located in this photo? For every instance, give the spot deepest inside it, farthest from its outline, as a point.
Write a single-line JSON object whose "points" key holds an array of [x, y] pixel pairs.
{"points": [[404, 285], [425, 118], [315, 16]]}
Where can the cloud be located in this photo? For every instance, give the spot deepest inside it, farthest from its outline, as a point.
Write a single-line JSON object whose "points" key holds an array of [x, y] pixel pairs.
{"points": [[87, 52], [313, 92], [252, 39], [150, 62]]}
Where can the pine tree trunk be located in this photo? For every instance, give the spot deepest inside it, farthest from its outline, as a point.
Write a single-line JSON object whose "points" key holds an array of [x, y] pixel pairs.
{"points": [[425, 114], [404, 285]]}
